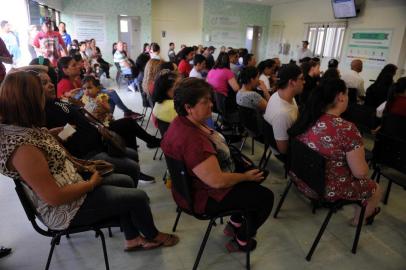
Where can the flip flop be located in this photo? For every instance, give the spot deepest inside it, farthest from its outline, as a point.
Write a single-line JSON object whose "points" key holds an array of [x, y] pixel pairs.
{"points": [[147, 245], [169, 241], [369, 220]]}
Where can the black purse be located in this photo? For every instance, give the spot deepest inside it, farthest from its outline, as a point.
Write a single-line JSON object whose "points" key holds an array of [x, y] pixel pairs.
{"points": [[113, 142]]}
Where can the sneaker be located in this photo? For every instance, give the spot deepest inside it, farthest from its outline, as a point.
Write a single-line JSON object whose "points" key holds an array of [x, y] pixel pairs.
{"points": [[146, 179], [234, 246], [133, 115]]}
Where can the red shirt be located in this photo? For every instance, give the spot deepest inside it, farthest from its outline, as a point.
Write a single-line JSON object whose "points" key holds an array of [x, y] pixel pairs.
{"points": [[50, 43], [184, 68], [4, 53], [65, 85], [186, 142], [398, 106]]}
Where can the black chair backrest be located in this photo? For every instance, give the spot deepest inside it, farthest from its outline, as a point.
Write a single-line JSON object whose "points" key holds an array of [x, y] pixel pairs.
{"points": [[225, 104], [394, 125], [363, 117], [269, 138], [181, 181], [390, 151], [250, 119], [29, 208], [307, 165], [162, 126], [352, 95]]}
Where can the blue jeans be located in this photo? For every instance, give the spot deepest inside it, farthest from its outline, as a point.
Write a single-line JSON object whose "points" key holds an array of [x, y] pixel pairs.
{"points": [[116, 197], [124, 165]]}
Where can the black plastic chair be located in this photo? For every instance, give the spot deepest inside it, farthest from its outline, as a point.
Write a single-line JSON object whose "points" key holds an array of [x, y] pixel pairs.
{"points": [[352, 96], [309, 166], [362, 116], [389, 161], [57, 234], [120, 76], [181, 184], [251, 121], [227, 108]]}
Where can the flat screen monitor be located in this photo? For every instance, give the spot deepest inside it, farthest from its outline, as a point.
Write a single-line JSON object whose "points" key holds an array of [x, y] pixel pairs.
{"points": [[344, 9]]}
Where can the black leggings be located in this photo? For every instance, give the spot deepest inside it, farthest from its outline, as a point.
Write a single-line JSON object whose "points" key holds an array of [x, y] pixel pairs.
{"points": [[129, 130], [252, 198]]}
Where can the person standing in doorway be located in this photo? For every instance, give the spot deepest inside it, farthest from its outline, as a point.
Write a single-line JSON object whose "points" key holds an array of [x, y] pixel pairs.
{"points": [[171, 52]]}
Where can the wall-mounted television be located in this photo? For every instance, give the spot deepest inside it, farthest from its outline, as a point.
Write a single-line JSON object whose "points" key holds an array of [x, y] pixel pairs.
{"points": [[344, 9]]}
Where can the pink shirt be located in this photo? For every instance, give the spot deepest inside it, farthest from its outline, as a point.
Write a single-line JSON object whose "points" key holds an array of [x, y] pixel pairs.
{"points": [[218, 78]]}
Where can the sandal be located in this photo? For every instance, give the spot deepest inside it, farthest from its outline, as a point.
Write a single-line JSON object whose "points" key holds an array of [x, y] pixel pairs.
{"points": [[369, 220], [169, 241], [145, 245]]}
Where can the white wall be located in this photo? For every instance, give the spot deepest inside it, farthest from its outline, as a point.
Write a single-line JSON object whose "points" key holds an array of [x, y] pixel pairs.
{"points": [[181, 19], [376, 14]]}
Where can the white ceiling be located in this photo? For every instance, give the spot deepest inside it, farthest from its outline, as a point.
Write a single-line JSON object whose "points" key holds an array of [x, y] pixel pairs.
{"points": [[265, 2]]}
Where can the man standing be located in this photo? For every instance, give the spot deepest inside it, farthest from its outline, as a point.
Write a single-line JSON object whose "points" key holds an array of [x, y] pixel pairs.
{"points": [[282, 111], [11, 41], [353, 80], [6, 58], [304, 51], [171, 52], [49, 43]]}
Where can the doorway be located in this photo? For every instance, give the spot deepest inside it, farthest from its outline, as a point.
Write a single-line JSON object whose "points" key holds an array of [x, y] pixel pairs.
{"points": [[253, 40], [130, 32]]}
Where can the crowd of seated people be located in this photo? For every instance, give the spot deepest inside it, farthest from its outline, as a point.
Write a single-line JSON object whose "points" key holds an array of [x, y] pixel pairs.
{"points": [[297, 101]]}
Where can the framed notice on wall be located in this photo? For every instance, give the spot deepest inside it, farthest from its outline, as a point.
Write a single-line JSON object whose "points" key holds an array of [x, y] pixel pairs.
{"points": [[371, 46], [88, 26]]}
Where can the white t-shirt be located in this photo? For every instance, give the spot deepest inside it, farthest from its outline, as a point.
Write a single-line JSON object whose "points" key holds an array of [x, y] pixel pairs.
{"points": [[265, 79], [353, 80], [281, 115], [195, 74], [302, 53]]}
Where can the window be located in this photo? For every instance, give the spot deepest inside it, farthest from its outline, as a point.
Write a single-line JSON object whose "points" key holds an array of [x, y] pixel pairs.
{"points": [[326, 39], [37, 11]]}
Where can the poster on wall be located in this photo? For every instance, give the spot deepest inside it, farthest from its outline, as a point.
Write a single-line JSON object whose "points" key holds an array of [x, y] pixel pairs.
{"points": [[88, 26], [227, 38], [222, 21], [371, 46]]}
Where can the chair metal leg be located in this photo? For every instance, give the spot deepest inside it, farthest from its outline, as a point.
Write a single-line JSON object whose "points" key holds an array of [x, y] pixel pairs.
{"points": [[285, 192], [106, 258], [221, 221], [160, 157], [177, 219], [203, 244], [378, 178], [145, 114], [252, 146], [54, 241], [320, 234], [358, 231], [374, 174], [110, 233], [149, 118], [156, 152], [263, 157], [385, 200], [243, 142], [164, 177]]}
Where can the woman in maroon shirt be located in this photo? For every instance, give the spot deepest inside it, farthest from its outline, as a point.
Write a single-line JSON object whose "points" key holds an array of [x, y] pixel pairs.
{"points": [[207, 158], [322, 129]]}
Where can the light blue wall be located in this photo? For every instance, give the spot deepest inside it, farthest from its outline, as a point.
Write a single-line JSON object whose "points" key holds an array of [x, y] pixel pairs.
{"points": [[111, 9], [249, 15]]}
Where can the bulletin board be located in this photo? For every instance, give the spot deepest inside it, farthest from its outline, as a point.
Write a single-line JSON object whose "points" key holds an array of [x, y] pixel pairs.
{"points": [[371, 46], [88, 26]]}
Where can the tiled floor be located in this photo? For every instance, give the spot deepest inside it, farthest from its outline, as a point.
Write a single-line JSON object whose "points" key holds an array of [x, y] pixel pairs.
{"points": [[283, 242]]}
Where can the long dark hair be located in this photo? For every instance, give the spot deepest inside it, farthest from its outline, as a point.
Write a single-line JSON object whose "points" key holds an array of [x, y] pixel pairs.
{"points": [[223, 61], [63, 62], [163, 83], [320, 99], [268, 63]]}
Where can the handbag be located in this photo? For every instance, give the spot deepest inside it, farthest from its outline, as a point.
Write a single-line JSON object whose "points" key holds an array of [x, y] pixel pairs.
{"points": [[113, 142]]}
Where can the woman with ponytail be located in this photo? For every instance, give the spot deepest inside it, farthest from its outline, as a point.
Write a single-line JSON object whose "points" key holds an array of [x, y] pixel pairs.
{"points": [[322, 129]]}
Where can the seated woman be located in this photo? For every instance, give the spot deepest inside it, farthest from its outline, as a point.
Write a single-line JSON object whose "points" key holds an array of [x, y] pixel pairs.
{"points": [[208, 161], [311, 74], [247, 97], [322, 129], [70, 86], [377, 93], [164, 108], [60, 195], [97, 103], [267, 75]]}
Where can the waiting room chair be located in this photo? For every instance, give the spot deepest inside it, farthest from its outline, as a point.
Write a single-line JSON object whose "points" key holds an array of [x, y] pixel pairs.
{"points": [[56, 234], [181, 184], [120, 76], [227, 108], [389, 161], [309, 166], [251, 120]]}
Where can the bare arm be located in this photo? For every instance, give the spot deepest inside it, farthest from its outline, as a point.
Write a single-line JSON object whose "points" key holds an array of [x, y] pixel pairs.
{"points": [[262, 105], [210, 173], [264, 90], [31, 164], [282, 146], [234, 84], [357, 163]]}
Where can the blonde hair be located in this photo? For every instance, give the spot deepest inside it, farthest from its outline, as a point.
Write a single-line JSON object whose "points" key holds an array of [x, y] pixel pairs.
{"points": [[150, 72]]}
